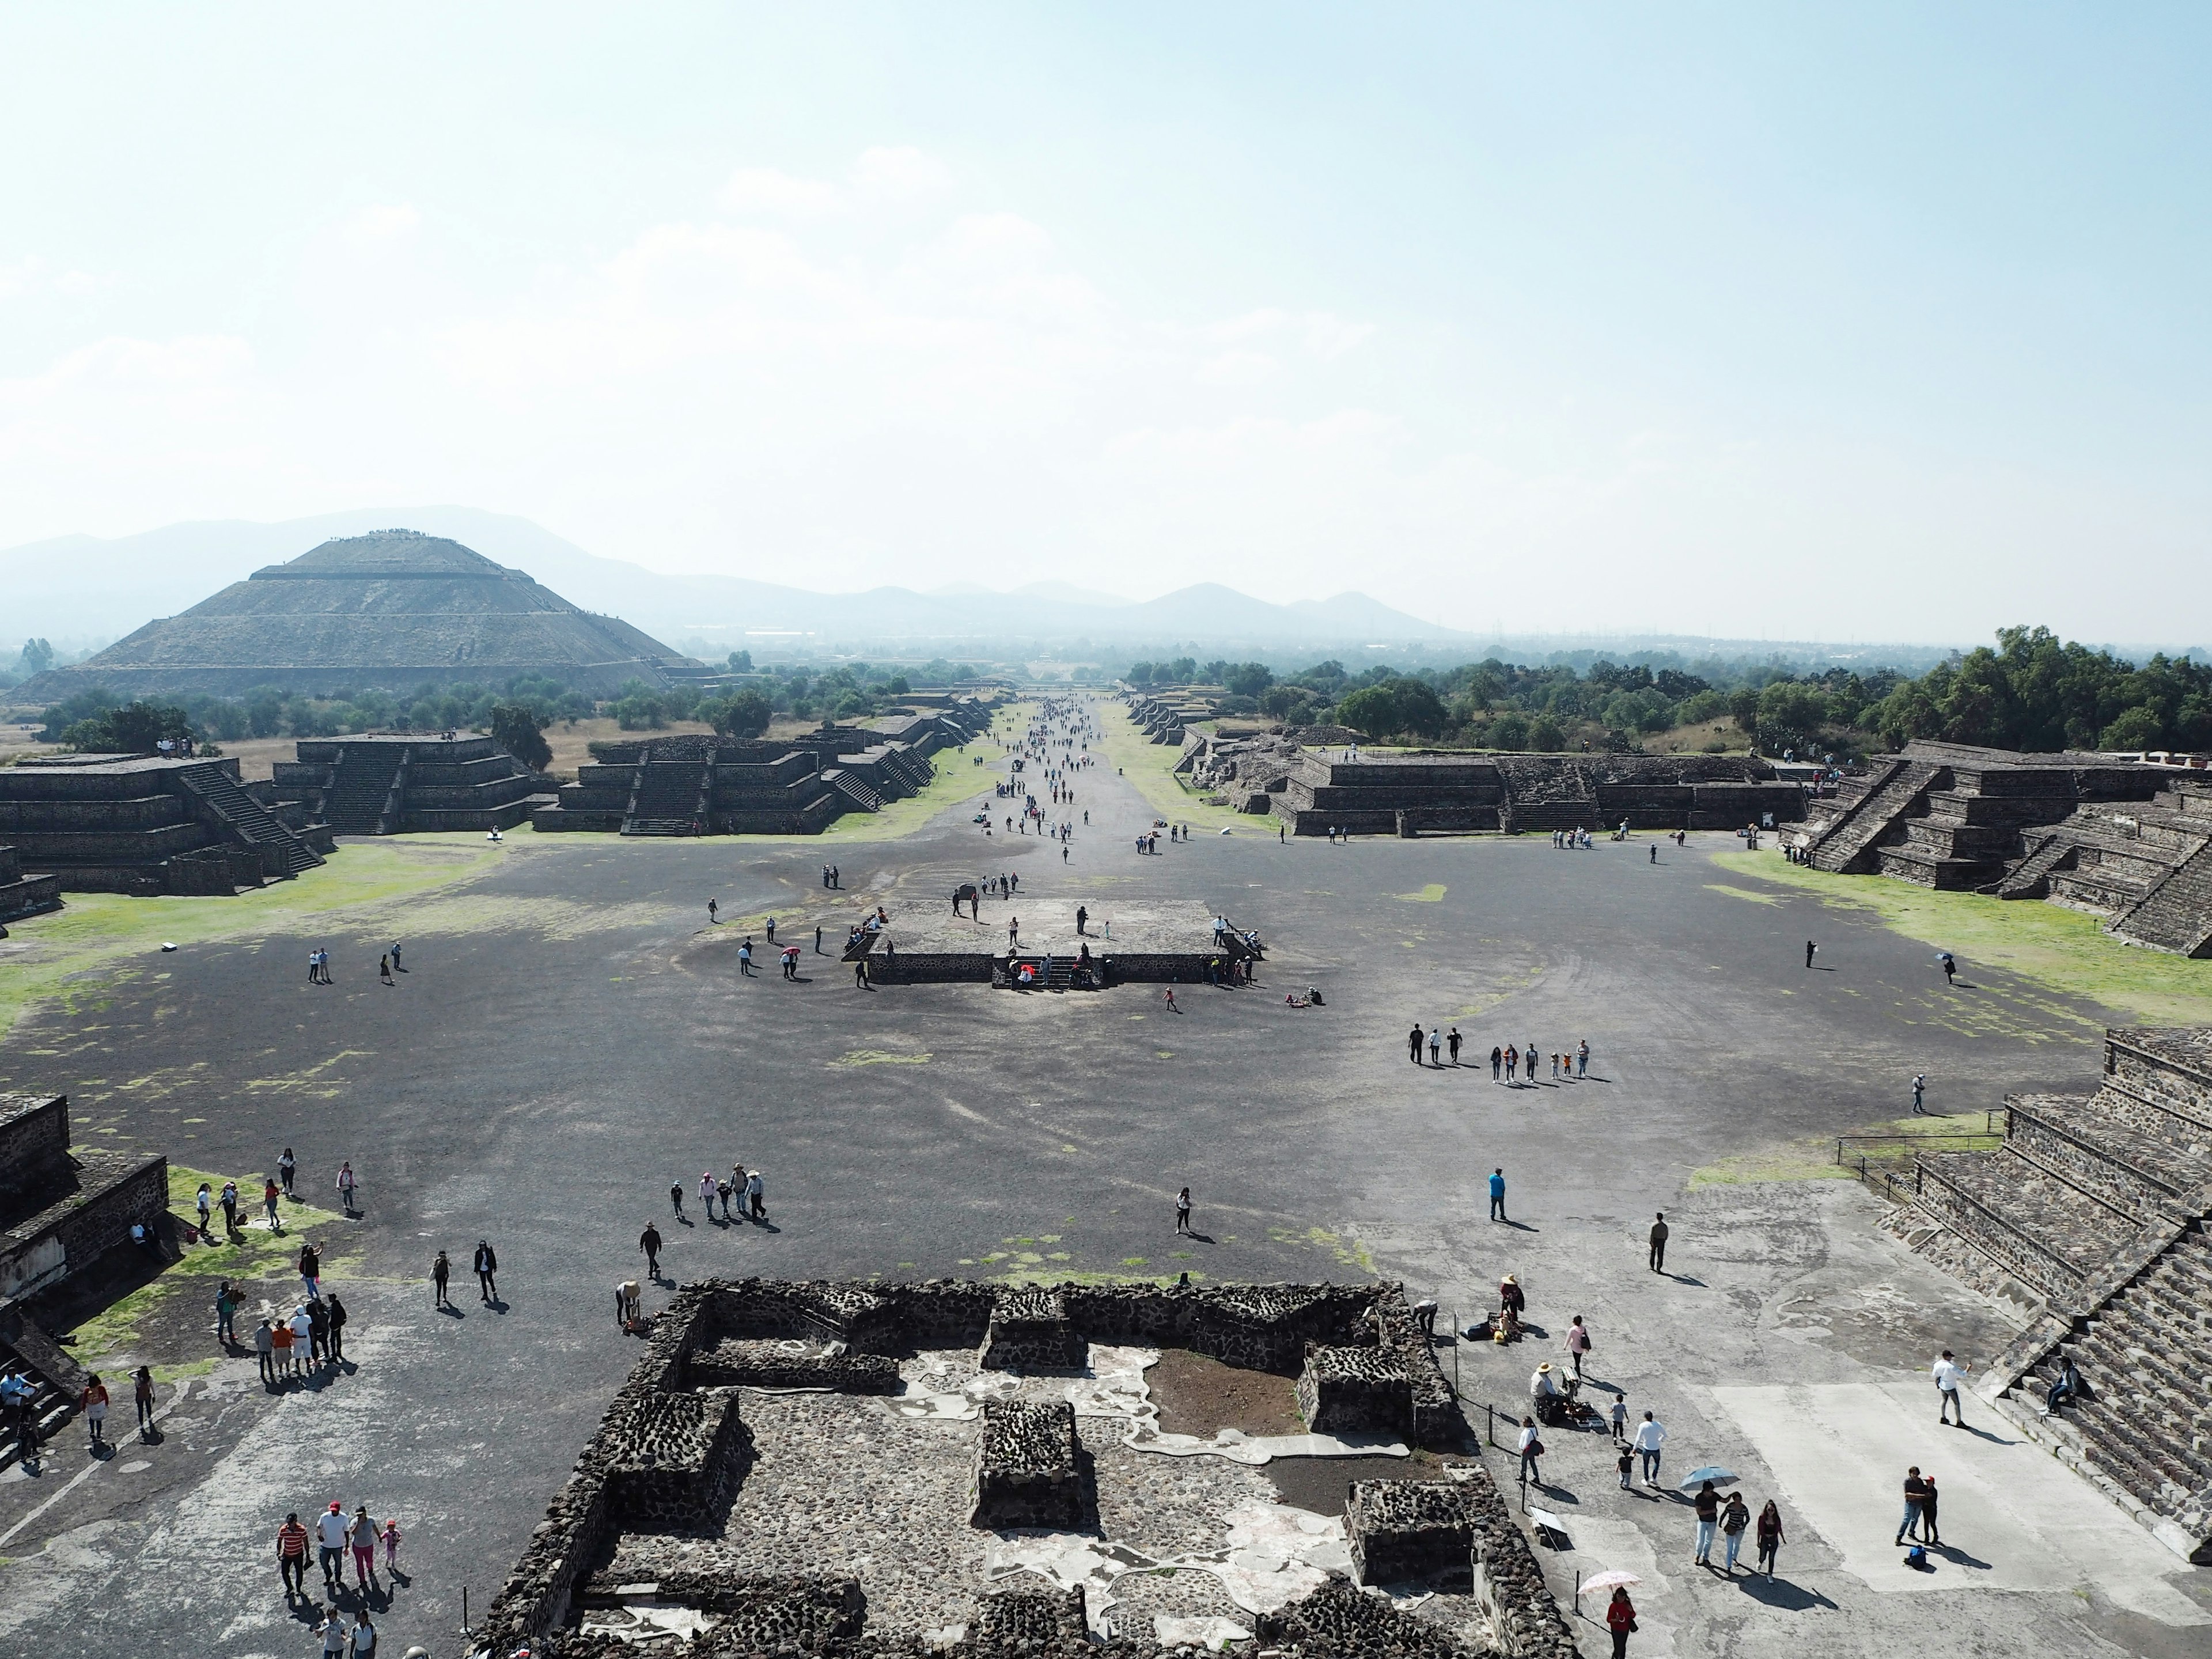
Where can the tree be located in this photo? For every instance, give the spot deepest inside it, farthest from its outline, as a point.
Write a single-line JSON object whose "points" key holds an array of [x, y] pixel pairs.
{"points": [[744, 717], [1182, 672], [1743, 705], [1545, 736], [38, 656], [741, 662], [1247, 679], [522, 733], [136, 728], [1396, 705], [1509, 732], [1791, 716]]}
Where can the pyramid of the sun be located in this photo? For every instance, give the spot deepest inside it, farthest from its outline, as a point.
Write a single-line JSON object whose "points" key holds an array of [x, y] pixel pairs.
{"points": [[395, 609]]}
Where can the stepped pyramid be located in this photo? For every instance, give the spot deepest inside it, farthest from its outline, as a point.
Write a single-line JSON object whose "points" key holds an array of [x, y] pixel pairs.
{"points": [[393, 609]]}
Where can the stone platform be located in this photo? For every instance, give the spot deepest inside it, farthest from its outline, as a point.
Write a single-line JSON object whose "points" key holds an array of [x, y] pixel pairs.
{"points": [[1159, 941]]}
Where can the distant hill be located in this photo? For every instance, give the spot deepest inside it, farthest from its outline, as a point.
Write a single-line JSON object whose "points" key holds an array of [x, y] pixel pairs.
{"points": [[74, 587]]}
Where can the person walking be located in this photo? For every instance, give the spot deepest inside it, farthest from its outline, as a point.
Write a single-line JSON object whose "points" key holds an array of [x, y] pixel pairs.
{"points": [[441, 1272], [287, 1167], [1498, 1194], [1620, 1417], [384, 970], [1452, 1044], [264, 1348], [1946, 1373], [142, 1391], [292, 1555], [1620, 1620], [347, 1184], [745, 957], [707, 1192], [1578, 1344], [1414, 1045], [1655, 851], [332, 1629], [1659, 1243], [1919, 1088], [676, 1198], [1183, 1213], [1950, 966], [1582, 1058], [1650, 1435], [1734, 1519], [1770, 1537], [1497, 1060], [269, 1197], [396, 968], [310, 1269], [712, 917], [1626, 1462], [203, 1203], [91, 1400], [361, 1644], [486, 1263], [756, 1194], [1916, 1494], [361, 1538], [1707, 1504], [330, 1546], [1809, 948], [649, 1241], [1435, 1046], [1532, 1448], [388, 1535], [335, 1317]]}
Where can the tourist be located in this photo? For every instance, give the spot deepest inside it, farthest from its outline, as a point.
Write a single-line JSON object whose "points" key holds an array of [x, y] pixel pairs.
{"points": [[361, 1538], [1770, 1537], [1528, 1062], [303, 1338], [1659, 1243], [1578, 1344], [1707, 1505], [722, 1190], [384, 969], [1621, 1620], [269, 1196], [1498, 1194], [264, 1346], [1947, 1372], [310, 1269], [230, 1208], [1183, 1213], [203, 1203], [1435, 1047], [756, 1194], [1655, 851], [1413, 1039], [771, 930], [1650, 1435], [1919, 1088], [1734, 1520], [707, 1192], [346, 1183], [388, 1535], [362, 1642], [1623, 1464], [332, 1629], [676, 1198], [441, 1272], [1171, 1001], [1621, 1417], [141, 1390], [745, 957], [285, 1167], [486, 1263], [2065, 1389], [1809, 948], [336, 1315], [280, 1356], [649, 1241], [329, 1547], [1916, 1493], [859, 973], [1928, 1527], [1453, 1042], [1425, 1315], [292, 1555], [313, 977], [1497, 1058], [1511, 1298], [1582, 1058], [1950, 966], [1531, 1449], [396, 968], [1512, 1064]]}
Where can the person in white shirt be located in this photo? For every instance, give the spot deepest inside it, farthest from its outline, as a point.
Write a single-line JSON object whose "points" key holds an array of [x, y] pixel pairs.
{"points": [[330, 1541], [1531, 1449], [1650, 1435], [1947, 1372]]}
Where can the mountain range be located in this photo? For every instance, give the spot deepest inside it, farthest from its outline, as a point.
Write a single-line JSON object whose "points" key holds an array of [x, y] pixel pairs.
{"points": [[80, 589]]}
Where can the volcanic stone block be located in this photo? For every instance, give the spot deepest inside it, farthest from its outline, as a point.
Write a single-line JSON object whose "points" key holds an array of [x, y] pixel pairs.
{"points": [[1355, 1391], [1029, 1330], [790, 1362], [1030, 1619], [1403, 1529], [1027, 1469], [671, 1458]]}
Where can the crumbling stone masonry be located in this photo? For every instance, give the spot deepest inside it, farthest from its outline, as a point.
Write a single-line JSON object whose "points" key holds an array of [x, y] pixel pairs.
{"points": [[1029, 1467], [1407, 1529]]}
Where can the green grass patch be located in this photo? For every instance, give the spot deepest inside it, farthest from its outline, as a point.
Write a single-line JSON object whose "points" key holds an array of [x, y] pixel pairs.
{"points": [[2061, 949], [1151, 767], [1814, 1158], [94, 930], [1433, 893]]}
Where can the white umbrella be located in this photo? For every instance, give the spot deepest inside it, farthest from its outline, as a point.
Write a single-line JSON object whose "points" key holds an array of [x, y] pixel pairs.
{"points": [[1606, 1580]]}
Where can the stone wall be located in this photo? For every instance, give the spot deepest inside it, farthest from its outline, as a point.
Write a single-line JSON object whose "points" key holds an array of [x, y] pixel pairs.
{"points": [[34, 1137], [1029, 1467]]}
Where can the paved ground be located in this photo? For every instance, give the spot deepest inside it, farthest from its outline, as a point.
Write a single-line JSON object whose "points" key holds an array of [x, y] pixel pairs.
{"points": [[570, 1037]]}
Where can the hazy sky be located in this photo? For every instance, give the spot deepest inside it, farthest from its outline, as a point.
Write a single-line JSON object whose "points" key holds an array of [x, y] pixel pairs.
{"points": [[1862, 321]]}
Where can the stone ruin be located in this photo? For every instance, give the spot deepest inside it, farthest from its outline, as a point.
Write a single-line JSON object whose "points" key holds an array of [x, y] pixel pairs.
{"points": [[2127, 839], [61, 1210], [23, 895], [660, 1543], [2096, 1215], [1164, 717], [1464, 792], [128, 823], [387, 786], [701, 784]]}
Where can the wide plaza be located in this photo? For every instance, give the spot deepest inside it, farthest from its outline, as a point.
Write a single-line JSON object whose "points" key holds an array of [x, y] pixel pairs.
{"points": [[571, 1035]]}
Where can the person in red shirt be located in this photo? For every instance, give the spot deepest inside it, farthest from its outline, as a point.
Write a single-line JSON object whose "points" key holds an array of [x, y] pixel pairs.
{"points": [[291, 1555], [1620, 1619]]}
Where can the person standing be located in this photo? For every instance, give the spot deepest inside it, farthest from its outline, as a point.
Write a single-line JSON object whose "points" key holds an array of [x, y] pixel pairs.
{"points": [[1578, 1344], [269, 1197], [334, 1317], [1621, 1620], [1919, 1088], [287, 1166], [1497, 1060], [1946, 1373], [487, 1268], [264, 1347], [329, 1547], [203, 1204], [226, 1314], [1650, 1435], [442, 1271], [1532, 1448], [1582, 1058], [1734, 1520], [1770, 1537], [1498, 1194], [712, 918], [756, 1194], [361, 1644], [229, 1207], [1183, 1213], [280, 1348], [1809, 948], [347, 1182], [1414, 1045], [1435, 1046], [389, 1535], [142, 1391], [292, 1555], [92, 1401], [676, 1198], [1659, 1243], [361, 1538], [1620, 1419], [1916, 1494], [649, 1241], [311, 1269], [1707, 1504], [384, 969], [1452, 1044], [707, 1192]]}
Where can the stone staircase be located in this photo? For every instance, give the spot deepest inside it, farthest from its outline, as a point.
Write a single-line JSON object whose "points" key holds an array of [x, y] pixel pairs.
{"points": [[1847, 843], [50, 1409], [669, 798], [2175, 914], [360, 789], [841, 779], [1551, 796], [2030, 879], [248, 819]]}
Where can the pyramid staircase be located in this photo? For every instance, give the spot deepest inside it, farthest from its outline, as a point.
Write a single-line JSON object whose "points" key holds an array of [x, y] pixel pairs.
{"points": [[248, 820]]}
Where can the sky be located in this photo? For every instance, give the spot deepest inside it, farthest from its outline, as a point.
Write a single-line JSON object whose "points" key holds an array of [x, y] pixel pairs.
{"points": [[1877, 322]]}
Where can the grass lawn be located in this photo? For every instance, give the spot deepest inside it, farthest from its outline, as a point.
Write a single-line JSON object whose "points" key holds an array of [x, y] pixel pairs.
{"points": [[2064, 950], [46, 954], [1814, 1159], [1151, 767]]}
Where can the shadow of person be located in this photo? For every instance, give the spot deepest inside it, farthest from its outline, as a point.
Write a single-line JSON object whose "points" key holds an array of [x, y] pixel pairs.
{"points": [[1783, 1594], [1519, 1226], [451, 1311], [497, 1305], [1984, 1434], [1685, 1279], [1203, 1238], [685, 1221], [1957, 1557]]}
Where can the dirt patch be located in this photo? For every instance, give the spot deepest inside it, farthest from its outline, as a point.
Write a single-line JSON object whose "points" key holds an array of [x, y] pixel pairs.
{"points": [[1319, 1483], [1197, 1395]]}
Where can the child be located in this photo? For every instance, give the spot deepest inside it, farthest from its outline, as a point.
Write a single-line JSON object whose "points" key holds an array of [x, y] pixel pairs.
{"points": [[1621, 1417], [390, 1535], [1624, 1463]]}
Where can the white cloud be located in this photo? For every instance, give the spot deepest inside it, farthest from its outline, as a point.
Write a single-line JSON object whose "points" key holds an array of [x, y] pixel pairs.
{"points": [[901, 174], [766, 191], [381, 225]]}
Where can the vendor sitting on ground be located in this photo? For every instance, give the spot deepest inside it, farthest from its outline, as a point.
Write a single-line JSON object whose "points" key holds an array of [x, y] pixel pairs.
{"points": [[1544, 1393]]}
